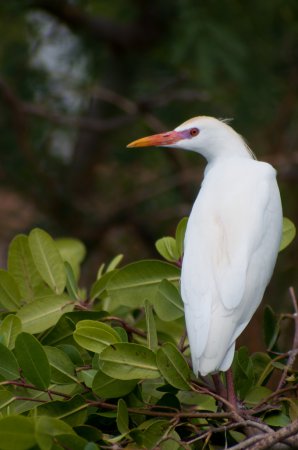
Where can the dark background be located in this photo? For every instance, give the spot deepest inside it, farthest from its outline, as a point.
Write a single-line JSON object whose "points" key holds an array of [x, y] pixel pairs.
{"points": [[79, 79]]}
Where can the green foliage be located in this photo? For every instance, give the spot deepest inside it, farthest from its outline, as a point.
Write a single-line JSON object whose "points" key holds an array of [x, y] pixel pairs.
{"points": [[33, 360], [136, 282], [48, 260], [9, 368], [106, 370], [173, 367], [270, 327], [172, 249], [288, 233]]}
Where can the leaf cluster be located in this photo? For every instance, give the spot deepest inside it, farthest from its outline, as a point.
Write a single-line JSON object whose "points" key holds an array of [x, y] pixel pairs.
{"points": [[108, 367]]}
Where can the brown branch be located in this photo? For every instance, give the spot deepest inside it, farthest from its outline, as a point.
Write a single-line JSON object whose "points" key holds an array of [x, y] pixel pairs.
{"points": [[30, 399], [230, 407], [231, 426], [277, 436], [84, 123], [127, 37], [34, 388], [126, 326], [271, 439]]}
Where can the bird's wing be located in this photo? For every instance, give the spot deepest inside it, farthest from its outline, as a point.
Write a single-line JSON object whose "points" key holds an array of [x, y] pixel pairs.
{"points": [[232, 214], [237, 231], [243, 223]]}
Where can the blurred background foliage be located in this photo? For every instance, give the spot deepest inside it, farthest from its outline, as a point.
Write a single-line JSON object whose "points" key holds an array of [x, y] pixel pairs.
{"points": [[79, 79]]}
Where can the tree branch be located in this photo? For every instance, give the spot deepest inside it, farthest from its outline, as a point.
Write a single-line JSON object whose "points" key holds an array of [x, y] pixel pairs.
{"points": [[139, 34], [85, 123]]}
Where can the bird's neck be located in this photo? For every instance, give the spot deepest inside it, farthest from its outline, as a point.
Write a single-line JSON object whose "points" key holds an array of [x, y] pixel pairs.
{"points": [[224, 147]]}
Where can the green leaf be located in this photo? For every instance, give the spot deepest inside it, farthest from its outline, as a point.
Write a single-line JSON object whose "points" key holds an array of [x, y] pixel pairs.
{"points": [[243, 372], [62, 333], [270, 327], [257, 394], [47, 429], [173, 366], [114, 263], [107, 387], [70, 441], [33, 360], [128, 362], [277, 420], [72, 411], [172, 441], [17, 433], [180, 234], [278, 365], [168, 304], [9, 367], [10, 297], [21, 266], [134, 283], [62, 368], [151, 328], [122, 417], [261, 366], [167, 248], [169, 400], [170, 331], [293, 408], [237, 436], [203, 402], [73, 353], [122, 334], [72, 251], [32, 396], [89, 433], [10, 327], [150, 432], [95, 336], [41, 314], [47, 260], [87, 376], [91, 446], [100, 285], [6, 403], [71, 283], [288, 233]]}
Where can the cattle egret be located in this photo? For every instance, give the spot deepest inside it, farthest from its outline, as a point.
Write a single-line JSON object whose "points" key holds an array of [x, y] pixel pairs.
{"points": [[231, 241]]}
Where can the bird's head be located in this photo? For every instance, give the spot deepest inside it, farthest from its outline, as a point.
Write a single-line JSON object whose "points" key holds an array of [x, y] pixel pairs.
{"points": [[208, 136]]}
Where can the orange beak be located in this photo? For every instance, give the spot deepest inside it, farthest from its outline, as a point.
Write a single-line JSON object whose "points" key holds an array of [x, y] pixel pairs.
{"points": [[168, 138]]}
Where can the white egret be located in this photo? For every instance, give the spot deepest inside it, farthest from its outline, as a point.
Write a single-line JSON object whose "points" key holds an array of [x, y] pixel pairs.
{"points": [[231, 242]]}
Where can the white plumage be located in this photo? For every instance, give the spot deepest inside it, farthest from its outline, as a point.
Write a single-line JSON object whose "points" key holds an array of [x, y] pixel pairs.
{"points": [[232, 239]]}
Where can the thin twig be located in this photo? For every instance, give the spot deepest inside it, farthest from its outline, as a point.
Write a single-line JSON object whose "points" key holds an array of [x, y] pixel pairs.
{"points": [[293, 353], [231, 426], [172, 415], [221, 399], [34, 388], [84, 123], [126, 326], [30, 399], [276, 394]]}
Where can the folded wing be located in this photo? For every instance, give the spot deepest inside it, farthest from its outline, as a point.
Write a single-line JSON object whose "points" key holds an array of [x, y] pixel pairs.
{"points": [[231, 244]]}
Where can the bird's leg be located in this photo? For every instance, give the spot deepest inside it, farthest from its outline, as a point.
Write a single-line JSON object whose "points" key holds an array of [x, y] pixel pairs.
{"points": [[219, 386], [231, 394]]}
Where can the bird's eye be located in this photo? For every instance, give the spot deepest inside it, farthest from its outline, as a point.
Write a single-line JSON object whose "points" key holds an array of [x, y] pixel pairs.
{"points": [[194, 132]]}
